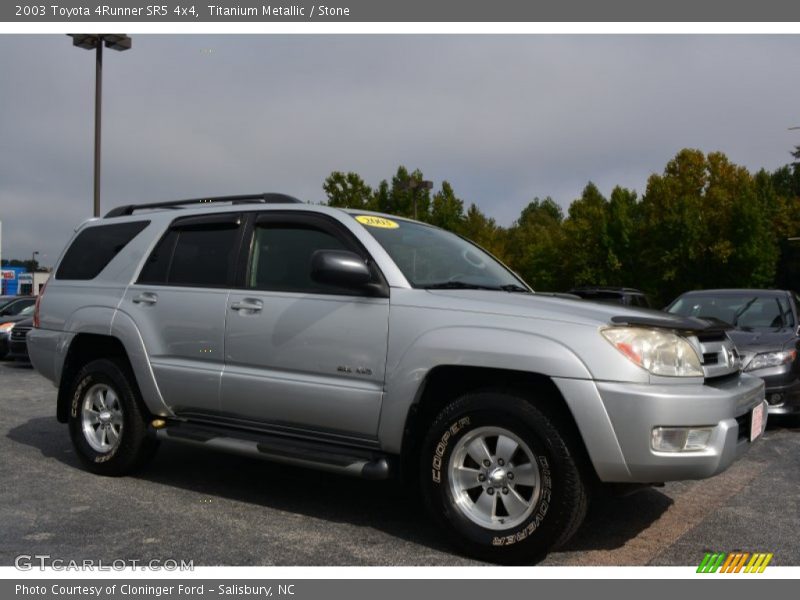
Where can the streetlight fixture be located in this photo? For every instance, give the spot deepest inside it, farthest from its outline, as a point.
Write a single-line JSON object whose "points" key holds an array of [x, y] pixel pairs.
{"points": [[414, 185], [95, 41]]}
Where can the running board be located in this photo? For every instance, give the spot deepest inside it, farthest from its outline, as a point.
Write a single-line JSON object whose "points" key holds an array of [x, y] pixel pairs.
{"points": [[323, 456]]}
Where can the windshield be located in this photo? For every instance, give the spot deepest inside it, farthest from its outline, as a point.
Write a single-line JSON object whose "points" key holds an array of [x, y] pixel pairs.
{"points": [[433, 258], [744, 311], [16, 306]]}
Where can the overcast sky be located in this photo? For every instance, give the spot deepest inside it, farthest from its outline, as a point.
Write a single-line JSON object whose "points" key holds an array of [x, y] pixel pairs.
{"points": [[503, 118]]}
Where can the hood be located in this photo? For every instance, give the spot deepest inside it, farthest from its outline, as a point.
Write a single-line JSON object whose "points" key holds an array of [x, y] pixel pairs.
{"points": [[15, 319], [765, 339], [536, 306]]}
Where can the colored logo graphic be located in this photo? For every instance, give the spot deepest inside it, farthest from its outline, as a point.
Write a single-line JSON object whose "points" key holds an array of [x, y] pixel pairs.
{"points": [[736, 562]]}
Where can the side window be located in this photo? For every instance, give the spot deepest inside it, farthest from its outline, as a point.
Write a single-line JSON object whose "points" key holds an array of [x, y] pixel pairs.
{"points": [[198, 252], [281, 257], [15, 307], [94, 247]]}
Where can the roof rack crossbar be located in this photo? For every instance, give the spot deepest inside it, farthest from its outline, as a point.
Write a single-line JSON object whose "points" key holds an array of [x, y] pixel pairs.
{"points": [[267, 198]]}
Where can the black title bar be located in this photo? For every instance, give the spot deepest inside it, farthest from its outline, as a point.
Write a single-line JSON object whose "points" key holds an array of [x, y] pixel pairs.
{"points": [[243, 11]]}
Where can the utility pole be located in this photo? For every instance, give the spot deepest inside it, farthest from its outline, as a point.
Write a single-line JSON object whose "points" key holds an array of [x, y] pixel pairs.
{"points": [[89, 41]]}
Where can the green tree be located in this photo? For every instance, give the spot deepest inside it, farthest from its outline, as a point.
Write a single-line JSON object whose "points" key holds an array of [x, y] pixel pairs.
{"points": [[586, 252], [623, 237], [534, 241], [447, 210], [406, 192], [484, 231], [704, 226], [348, 190]]}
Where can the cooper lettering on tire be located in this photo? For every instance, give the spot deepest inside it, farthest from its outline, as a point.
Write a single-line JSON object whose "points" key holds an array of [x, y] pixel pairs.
{"points": [[107, 422], [501, 478]]}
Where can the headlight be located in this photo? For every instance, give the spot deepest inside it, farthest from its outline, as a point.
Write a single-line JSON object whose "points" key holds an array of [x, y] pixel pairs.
{"points": [[660, 352], [771, 359], [6, 327]]}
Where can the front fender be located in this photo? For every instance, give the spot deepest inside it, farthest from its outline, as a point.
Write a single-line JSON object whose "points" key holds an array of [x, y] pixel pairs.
{"points": [[409, 365]]}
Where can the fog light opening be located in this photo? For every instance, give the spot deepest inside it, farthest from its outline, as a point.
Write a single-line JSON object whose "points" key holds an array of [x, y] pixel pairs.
{"points": [[680, 439], [775, 399]]}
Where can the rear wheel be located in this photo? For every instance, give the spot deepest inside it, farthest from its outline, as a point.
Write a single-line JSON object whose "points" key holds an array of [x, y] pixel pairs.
{"points": [[501, 478], [107, 424]]}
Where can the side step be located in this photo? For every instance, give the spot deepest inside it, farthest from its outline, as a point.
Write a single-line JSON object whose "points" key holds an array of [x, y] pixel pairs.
{"points": [[324, 456]]}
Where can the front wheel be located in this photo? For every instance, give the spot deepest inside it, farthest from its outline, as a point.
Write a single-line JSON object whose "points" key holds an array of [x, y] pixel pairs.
{"points": [[499, 475], [107, 424]]}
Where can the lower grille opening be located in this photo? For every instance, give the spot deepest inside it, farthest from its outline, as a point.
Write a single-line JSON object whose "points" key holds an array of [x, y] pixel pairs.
{"points": [[744, 427]]}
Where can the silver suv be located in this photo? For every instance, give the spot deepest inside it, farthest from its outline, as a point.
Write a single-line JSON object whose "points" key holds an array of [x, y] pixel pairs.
{"points": [[377, 346]]}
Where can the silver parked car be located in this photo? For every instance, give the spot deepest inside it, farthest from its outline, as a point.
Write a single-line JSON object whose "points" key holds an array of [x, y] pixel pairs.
{"points": [[377, 346]]}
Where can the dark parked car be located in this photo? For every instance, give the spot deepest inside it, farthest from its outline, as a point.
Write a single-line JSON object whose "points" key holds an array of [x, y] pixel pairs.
{"points": [[11, 306], [7, 325], [613, 295], [766, 331], [18, 342]]}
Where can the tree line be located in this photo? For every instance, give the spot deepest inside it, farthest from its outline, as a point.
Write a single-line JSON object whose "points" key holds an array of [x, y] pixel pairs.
{"points": [[704, 222]]}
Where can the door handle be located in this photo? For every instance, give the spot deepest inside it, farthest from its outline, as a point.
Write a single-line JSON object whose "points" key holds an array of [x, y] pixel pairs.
{"points": [[146, 298], [248, 304]]}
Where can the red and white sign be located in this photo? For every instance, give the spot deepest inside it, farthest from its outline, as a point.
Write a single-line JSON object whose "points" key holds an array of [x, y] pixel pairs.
{"points": [[757, 422], [9, 274]]}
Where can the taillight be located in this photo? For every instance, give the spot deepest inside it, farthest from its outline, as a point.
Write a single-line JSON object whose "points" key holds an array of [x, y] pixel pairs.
{"points": [[36, 306]]}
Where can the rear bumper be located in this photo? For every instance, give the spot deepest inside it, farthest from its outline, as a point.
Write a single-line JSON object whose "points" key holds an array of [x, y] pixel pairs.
{"points": [[46, 351]]}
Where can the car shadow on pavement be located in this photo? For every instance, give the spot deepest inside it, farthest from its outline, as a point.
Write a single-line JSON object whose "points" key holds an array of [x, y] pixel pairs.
{"points": [[788, 422], [384, 506], [17, 364], [614, 520]]}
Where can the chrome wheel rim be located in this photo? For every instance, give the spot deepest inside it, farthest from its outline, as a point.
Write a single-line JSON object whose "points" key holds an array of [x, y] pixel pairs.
{"points": [[101, 418], [494, 478]]}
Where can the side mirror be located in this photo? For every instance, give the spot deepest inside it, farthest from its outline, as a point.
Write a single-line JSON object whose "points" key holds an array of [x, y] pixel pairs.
{"points": [[340, 268]]}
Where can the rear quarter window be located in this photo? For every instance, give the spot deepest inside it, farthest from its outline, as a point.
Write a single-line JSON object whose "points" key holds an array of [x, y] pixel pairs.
{"points": [[94, 247]]}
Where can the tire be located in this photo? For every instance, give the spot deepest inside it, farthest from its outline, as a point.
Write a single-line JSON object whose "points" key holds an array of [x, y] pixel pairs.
{"points": [[543, 503], [104, 395]]}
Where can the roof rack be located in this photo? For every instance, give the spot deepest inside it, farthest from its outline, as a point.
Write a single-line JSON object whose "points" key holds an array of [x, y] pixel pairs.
{"points": [[268, 198]]}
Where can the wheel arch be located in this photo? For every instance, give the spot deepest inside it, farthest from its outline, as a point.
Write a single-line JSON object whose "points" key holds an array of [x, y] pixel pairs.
{"points": [[123, 343], [83, 348], [445, 383]]}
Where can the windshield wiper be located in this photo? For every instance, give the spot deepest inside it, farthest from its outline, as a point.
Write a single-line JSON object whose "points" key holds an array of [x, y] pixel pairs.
{"points": [[513, 287], [459, 285], [464, 285], [742, 310]]}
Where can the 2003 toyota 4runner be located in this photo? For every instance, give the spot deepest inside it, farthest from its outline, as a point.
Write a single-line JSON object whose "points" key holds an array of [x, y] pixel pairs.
{"points": [[372, 345]]}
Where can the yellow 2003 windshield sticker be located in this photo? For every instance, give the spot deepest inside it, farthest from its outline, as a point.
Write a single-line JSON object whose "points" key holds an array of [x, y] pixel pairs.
{"points": [[371, 221]]}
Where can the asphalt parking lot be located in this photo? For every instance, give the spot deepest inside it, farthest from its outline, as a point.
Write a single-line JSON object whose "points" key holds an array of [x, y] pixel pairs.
{"points": [[218, 509]]}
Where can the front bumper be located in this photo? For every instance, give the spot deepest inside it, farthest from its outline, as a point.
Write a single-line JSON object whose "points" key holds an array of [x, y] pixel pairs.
{"points": [[18, 350], [782, 388], [724, 406]]}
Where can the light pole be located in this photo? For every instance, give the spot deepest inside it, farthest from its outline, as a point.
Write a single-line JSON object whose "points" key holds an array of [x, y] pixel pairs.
{"points": [[414, 185], [92, 41], [33, 269]]}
